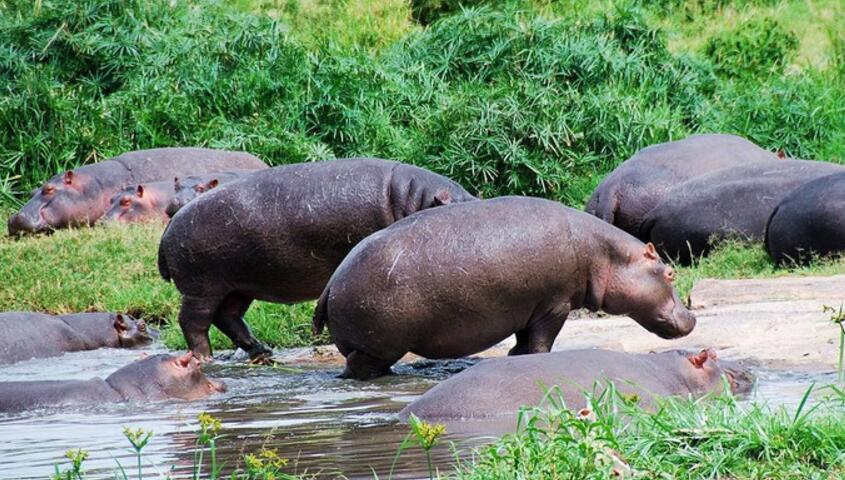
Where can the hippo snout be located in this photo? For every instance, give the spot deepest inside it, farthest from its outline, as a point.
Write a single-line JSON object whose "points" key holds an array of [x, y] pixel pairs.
{"points": [[681, 324], [20, 224]]}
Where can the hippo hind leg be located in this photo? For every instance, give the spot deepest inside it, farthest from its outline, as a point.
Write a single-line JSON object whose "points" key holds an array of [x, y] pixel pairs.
{"points": [[362, 366], [540, 334], [229, 318], [195, 318]]}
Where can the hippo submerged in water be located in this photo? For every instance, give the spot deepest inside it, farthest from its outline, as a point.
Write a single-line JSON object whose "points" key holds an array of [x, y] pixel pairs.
{"points": [[455, 281], [641, 182], [161, 200], [25, 335], [279, 234], [498, 387], [154, 378], [734, 202], [809, 221], [81, 196]]}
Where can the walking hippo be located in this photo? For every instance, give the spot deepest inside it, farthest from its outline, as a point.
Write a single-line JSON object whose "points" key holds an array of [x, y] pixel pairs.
{"points": [[641, 182], [25, 335], [154, 378], [81, 196], [809, 221], [734, 202], [456, 281], [189, 188], [278, 235], [498, 387]]}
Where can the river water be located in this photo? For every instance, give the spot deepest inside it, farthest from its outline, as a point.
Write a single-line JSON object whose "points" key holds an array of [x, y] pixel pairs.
{"points": [[320, 423]]}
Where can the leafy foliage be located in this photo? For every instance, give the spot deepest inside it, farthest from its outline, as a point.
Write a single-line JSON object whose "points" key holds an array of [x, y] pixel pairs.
{"points": [[754, 48]]}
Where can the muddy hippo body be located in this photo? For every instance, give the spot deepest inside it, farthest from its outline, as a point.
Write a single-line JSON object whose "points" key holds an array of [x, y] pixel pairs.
{"points": [[81, 196], [278, 236], [735, 202], [189, 188], [809, 221], [455, 281], [641, 182], [498, 387], [25, 335], [155, 378]]}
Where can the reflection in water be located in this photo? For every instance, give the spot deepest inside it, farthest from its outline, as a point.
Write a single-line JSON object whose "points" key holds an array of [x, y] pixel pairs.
{"points": [[321, 423]]}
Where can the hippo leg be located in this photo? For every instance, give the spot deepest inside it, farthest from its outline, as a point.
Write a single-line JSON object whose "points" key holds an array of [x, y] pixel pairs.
{"points": [[540, 334], [229, 318], [362, 366], [195, 318]]}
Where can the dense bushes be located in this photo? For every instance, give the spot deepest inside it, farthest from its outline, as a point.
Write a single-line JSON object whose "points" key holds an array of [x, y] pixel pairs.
{"points": [[754, 48], [505, 99]]}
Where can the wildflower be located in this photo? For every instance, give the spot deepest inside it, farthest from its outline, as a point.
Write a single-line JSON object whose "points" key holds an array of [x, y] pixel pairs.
{"points": [[427, 433], [137, 437]]}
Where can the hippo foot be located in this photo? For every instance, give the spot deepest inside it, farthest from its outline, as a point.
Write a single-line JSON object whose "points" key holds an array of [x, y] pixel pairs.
{"points": [[360, 366], [261, 355]]}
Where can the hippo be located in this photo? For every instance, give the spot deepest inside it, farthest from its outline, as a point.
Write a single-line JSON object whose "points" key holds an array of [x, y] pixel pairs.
{"points": [[809, 221], [733, 202], [25, 335], [635, 187], [81, 196], [151, 379], [278, 235], [499, 387], [189, 188], [459, 279]]}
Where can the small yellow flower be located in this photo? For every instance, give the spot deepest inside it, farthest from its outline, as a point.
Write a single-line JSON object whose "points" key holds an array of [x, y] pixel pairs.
{"points": [[427, 433], [209, 424]]}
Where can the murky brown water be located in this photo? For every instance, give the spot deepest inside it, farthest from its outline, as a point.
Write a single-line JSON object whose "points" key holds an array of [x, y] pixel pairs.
{"points": [[321, 423]]}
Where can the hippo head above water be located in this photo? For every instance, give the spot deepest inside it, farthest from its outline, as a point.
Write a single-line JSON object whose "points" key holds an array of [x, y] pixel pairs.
{"points": [[60, 203], [163, 376], [132, 333], [641, 287], [703, 372]]}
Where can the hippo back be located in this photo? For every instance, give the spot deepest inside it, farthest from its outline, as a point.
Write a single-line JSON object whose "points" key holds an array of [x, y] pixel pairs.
{"points": [[164, 163]]}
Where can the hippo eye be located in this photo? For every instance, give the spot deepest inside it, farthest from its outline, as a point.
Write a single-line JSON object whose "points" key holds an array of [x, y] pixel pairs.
{"points": [[48, 190], [125, 201], [670, 275], [200, 188]]}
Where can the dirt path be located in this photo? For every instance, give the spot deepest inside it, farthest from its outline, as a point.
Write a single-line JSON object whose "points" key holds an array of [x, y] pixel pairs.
{"points": [[777, 321]]}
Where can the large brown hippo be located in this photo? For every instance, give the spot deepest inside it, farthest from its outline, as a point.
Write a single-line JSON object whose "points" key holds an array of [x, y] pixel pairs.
{"points": [[809, 221], [25, 335], [161, 200], [278, 235], [452, 282], [189, 188], [154, 378], [733, 202], [81, 196], [635, 187], [498, 387]]}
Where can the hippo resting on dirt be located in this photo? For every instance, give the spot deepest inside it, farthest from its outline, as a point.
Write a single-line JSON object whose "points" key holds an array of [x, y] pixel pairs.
{"points": [[456, 281], [629, 192], [25, 335], [161, 200], [81, 196], [154, 378], [498, 387], [734, 202], [809, 221], [279, 234]]}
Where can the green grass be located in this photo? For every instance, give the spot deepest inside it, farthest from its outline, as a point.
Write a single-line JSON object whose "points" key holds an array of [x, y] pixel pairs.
{"points": [[114, 269]]}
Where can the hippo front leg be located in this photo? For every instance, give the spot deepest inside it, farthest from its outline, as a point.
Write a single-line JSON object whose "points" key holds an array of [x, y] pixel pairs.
{"points": [[540, 334], [196, 317], [229, 318]]}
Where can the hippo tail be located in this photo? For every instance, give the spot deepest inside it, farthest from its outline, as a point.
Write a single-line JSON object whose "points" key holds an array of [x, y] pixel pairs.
{"points": [[162, 265], [318, 323]]}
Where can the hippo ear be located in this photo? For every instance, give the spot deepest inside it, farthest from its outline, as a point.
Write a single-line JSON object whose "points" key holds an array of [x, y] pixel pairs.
{"points": [[185, 359], [650, 251], [176, 184], [781, 154], [699, 360], [442, 197], [213, 183], [68, 178], [120, 324], [140, 191]]}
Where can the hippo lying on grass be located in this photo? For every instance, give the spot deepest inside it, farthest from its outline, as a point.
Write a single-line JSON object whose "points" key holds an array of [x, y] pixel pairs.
{"points": [[498, 387], [25, 335], [278, 235], [727, 203], [456, 281], [154, 378], [161, 200], [641, 182], [81, 196], [809, 221]]}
